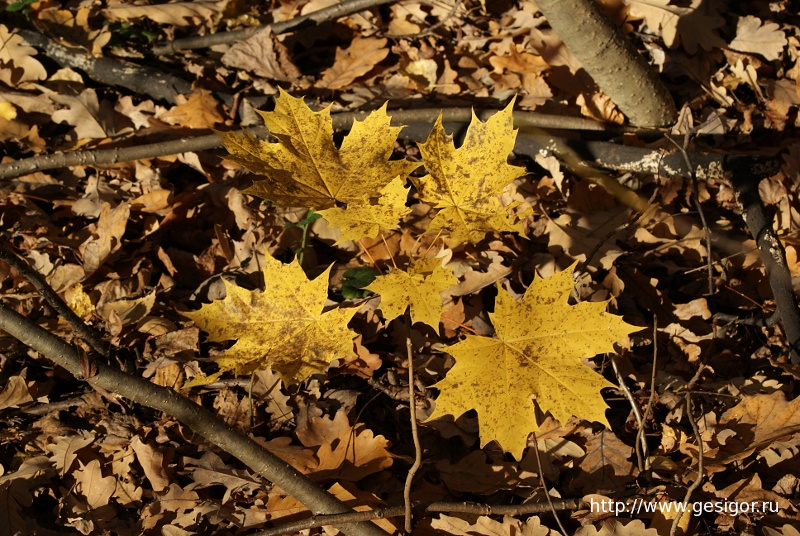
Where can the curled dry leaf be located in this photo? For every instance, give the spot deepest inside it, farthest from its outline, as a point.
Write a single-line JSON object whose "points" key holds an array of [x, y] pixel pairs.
{"points": [[91, 118], [693, 24], [263, 55], [176, 13], [16, 392], [344, 452], [199, 110]]}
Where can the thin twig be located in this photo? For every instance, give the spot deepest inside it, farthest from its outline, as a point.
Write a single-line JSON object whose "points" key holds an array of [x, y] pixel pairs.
{"points": [[389, 252], [94, 339], [760, 321], [44, 409], [696, 200], [412, 405], [544, 485], [418, 124], [432, 508], [636, 411], [690, 490], [642, 452], [700, 445]]}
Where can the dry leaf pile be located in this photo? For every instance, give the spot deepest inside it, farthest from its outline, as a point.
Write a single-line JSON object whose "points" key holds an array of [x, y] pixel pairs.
{"points": [[274, 281]]}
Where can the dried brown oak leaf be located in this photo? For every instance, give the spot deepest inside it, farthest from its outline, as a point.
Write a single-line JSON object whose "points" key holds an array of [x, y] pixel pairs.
{"points": [[356, 60], [305, 169], [282, 327], [536, 352], [766, 39], [17, 63], [486, 526], [692, 23]]}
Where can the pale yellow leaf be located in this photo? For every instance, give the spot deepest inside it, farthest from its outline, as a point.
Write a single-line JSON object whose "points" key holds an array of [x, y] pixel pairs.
{"points": [[79, 301], [7, 111]]}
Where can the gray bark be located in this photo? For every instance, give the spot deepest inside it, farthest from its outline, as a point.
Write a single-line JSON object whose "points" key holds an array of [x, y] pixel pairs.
{"points": [[611, 60]]}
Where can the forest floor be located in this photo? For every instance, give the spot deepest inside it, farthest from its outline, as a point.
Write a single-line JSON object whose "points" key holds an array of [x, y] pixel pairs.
{"points": [[709, 416]]}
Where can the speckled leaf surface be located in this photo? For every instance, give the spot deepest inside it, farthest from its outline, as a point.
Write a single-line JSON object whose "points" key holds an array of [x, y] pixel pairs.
{"points": [[282, 327], [419, 287], [536, 353], [305, 169], [465, 183]]}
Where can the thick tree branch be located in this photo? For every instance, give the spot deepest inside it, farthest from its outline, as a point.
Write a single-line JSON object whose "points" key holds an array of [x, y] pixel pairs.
{"points": [[611, 60], [192, 415], [745, 179], [139, 79], [419, 126], [530, 142]]}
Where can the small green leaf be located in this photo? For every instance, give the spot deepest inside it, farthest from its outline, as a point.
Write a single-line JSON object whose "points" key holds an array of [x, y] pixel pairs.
{"points": [[306, 222], [20, 5], [355, 279]]}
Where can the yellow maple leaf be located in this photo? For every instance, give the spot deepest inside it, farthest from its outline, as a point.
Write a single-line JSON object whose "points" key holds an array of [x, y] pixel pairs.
{"points": [[536, 352], [282, 327], [419, 287], [465, 183], [305, 168], [365, 219]]}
